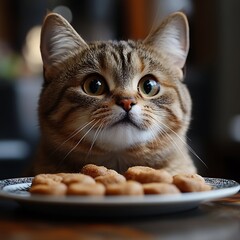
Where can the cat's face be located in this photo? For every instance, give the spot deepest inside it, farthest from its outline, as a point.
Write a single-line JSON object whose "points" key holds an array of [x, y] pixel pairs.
{"points": [[113, 95]]}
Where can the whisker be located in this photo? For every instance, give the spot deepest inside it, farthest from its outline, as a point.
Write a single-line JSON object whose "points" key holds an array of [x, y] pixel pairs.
{"points": [[98, 131], [153, 134], [182, 140], [163, 132], [81, 139], [77, 131], [174, 143], [189, 147], [73, 134]]}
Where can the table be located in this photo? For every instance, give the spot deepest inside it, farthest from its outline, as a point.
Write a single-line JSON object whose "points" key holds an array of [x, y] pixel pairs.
{"points": [[210, 221]]}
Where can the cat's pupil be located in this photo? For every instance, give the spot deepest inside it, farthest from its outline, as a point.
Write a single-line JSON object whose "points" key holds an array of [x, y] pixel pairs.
{"points": [[95, 85], [148, 86]]}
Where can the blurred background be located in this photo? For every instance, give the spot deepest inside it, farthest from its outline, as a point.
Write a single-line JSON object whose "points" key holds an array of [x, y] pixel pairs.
{"points": [[213, 70]]}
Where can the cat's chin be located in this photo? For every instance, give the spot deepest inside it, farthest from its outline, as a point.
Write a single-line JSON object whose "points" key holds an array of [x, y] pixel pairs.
{"points": [[123, 136]]}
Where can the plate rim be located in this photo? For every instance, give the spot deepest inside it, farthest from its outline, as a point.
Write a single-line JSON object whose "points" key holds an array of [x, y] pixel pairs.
{"points": [[184, 198]]}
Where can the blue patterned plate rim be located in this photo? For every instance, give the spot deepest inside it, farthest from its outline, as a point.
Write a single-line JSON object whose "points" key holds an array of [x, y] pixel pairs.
{"points": [[17, 189]]}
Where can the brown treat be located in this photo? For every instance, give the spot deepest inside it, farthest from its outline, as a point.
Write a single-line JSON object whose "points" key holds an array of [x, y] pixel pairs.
{"points": [[111, 178], [148, 175], [64, 174], [125, 188], [77, 178], [160, 188], [49, 189], [98, 180], [205, 187], [193, 176], [94, 170], [46, 179], [84, 189], [187, 183], [112, 172]]}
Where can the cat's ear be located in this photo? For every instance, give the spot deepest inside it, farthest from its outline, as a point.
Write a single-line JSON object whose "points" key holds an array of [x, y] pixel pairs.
{"points": [[58, 40], [172, 38]]}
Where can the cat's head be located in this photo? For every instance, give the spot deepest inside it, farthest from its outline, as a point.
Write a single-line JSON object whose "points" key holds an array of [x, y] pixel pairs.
{"points": [[114, 95]]}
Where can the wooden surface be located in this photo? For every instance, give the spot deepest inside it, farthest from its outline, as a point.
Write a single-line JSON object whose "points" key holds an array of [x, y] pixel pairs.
{"points": [[213, 220]]}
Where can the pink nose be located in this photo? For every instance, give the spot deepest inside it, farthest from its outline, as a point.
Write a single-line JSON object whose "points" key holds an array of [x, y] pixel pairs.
{"points": [[126, 103]]}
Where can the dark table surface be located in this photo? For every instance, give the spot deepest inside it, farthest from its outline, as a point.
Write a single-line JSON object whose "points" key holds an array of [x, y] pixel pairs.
{"points": [[212, 220]]}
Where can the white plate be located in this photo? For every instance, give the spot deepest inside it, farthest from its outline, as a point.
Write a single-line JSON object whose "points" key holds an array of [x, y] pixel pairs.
{"points": [[17, 189]]}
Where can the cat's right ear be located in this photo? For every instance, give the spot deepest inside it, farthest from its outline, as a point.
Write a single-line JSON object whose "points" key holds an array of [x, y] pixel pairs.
{"points": [[172, 38], [58, 40]]}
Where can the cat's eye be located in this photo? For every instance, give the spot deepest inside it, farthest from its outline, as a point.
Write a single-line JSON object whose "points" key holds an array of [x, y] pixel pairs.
{"points": [[95, 85], [149, 86]]}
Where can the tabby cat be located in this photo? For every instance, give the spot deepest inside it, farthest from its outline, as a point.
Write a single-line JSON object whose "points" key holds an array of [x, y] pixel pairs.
{"points": [[114, 103]]}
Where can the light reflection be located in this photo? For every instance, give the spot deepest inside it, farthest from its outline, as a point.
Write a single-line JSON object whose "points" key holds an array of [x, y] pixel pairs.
{"points": [[64, 11], [31, 50], [235, 128]]}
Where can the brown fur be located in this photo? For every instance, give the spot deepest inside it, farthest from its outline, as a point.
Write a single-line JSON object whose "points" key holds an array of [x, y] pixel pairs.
{"points": [[78, 128]]}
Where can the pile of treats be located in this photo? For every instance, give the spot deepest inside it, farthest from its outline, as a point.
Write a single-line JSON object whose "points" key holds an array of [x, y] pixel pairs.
{"points": [[96, 180]]}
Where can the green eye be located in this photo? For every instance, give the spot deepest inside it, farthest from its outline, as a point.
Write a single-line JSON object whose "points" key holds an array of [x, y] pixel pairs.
{"points": [[149, 86], [95, 85]]}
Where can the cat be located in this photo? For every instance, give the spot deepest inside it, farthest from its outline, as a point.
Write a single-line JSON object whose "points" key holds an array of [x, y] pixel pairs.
{"points": [[114, 103]]}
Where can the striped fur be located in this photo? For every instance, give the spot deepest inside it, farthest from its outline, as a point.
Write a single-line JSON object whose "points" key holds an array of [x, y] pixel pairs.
{"points": [[78, 128]]}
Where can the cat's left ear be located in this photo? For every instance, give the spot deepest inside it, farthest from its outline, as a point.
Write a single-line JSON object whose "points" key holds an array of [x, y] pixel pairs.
{"points": [[172, 38], [58, 40]]}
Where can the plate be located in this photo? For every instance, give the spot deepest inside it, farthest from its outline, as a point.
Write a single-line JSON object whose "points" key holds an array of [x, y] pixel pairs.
{"points": [[17, 189]]}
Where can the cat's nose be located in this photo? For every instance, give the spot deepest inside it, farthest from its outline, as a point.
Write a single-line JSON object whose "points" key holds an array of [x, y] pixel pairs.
{"points": [[126, 103]]}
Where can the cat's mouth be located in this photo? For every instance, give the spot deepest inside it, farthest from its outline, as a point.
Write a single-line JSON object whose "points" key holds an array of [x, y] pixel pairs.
{"points": [[126, 120]]}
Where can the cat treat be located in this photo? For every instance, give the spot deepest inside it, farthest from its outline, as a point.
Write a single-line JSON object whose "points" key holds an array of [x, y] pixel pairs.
{"points": [[109, 179], [47, 179], [77, 178], [160, 188], [84, 189], [138, 180], [51, 188], [125, 188], [148, 175], [102, 174], [190, 183], [94, 170]]}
